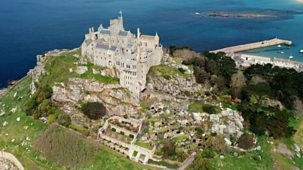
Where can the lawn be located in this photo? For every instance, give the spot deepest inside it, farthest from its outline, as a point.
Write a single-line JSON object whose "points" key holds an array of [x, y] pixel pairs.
{"points": [[144, 144]]}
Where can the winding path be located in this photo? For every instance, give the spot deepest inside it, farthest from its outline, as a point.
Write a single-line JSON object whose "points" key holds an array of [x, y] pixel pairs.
{"points": [[11, 158]]}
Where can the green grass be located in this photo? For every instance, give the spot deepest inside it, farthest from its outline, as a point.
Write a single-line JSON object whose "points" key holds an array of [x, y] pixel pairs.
{"points": [[166, 71], [100, 78], [144, 144], [180, 138], [66, 147], [165, 163], [27, 127], [196, 106], [298, 136], [246, 160], [78, 128], [57, 69], [200, 106]]}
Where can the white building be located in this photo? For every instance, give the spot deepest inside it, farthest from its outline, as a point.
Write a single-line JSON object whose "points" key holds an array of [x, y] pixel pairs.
{"points": [[132, 55]]}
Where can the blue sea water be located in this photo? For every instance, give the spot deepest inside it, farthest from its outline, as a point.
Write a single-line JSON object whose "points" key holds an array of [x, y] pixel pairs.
{"points": [[31, 27]]}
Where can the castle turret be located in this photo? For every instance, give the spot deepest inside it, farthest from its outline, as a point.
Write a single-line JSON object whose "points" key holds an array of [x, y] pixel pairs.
{"points": [[157, 39], [121, 21], [100, 28], [138, 35]]}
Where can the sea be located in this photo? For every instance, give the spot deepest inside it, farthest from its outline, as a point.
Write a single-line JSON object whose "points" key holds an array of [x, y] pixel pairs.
{"points": [[31, 27]]}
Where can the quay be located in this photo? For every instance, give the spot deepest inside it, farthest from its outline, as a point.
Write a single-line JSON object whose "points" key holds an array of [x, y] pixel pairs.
{"points": [[246, 60], [251, 46]]}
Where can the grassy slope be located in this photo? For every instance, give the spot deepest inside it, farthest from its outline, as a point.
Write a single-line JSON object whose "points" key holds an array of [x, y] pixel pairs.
{"points": [[104, 159], [298, 137], [269, 160], [166, 71], [246, 161], [58, 70]]}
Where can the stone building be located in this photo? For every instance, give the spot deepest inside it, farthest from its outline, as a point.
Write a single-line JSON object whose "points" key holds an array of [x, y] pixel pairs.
{"points": [[132, 55]]}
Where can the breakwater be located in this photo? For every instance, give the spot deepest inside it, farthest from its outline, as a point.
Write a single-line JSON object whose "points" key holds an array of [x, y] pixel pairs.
{"points": [[251, 46]]}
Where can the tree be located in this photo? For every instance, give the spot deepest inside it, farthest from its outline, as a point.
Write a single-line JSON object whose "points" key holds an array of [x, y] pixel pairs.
{"points": [[94, 110], [218, 81], [238, 82], [200, 75]]}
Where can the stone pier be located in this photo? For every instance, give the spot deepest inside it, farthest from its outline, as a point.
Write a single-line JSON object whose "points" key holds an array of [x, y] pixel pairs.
{"points": [[251, 46]]}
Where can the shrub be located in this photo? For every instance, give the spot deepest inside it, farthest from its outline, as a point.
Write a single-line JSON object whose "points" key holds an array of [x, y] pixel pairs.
{"points": [[210, 109], [182, 70], [30, 105], [169, 148], [51, 118], [64, 120], [45, 107], [94, 110], [246, 141]]}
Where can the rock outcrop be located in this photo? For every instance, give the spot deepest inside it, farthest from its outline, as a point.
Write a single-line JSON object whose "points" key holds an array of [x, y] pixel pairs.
{"points": [[117, 100]]}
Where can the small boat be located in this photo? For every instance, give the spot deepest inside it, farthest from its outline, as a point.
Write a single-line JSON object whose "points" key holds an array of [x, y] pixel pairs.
{"points": [[282, 52], [279, 46], [197, 13], [301, 51], [291, 57]]}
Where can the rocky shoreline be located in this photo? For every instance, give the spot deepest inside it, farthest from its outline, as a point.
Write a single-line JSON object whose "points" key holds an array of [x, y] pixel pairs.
{"points": [[240, 15]]}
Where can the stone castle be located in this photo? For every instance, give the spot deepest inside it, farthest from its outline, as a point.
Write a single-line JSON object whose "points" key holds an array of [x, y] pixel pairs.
{"points": [[131, 55]]}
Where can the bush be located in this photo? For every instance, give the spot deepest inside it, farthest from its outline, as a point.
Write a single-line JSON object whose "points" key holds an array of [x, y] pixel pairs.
{"points": [[45, 107], [94, 110], [246, 141], [30, 105], [40, 104], [210, 109], [169, 148], [64, 120], [51, 118], [203, 160]]}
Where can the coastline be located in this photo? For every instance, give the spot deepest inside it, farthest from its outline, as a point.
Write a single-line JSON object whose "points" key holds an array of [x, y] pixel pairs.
{"points": [[300, 1]]}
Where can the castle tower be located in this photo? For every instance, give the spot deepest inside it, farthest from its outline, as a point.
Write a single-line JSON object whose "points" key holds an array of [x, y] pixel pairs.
{"points": [[100, 28], [157, 39], [138, 35], [138, 44], [121, 21]]}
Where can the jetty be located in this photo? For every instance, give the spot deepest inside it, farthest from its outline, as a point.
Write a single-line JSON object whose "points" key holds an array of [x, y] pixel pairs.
{"points": [[251, 46]]}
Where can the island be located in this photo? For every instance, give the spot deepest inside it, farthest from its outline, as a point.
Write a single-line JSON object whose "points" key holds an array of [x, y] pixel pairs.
{"points": [[123, 101]]}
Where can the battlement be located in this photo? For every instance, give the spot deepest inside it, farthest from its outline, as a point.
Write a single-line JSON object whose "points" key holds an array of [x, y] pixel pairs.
{"points": [[132, 54]]}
